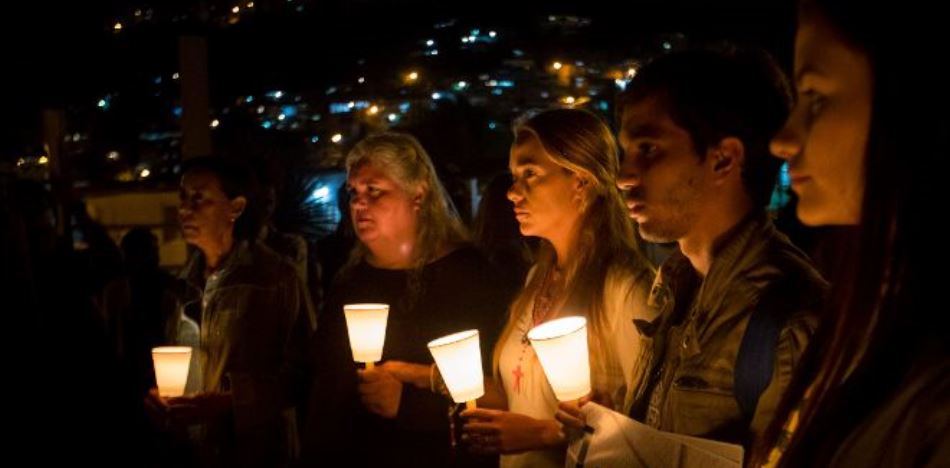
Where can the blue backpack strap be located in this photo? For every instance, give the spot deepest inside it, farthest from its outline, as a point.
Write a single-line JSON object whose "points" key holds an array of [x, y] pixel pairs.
{"points": [[756, 359]]}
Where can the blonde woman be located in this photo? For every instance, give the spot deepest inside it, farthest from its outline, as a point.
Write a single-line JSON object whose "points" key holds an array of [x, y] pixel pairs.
{"points": [[564, 163], [413, 254]]}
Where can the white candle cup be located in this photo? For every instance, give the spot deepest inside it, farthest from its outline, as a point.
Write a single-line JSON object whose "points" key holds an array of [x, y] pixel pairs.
{"points": [[561, 346], [366, 326], [171, 369], [459, 359]]}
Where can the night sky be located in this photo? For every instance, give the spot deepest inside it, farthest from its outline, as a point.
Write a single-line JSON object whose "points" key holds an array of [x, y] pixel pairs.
{"points": [[65, 53]]}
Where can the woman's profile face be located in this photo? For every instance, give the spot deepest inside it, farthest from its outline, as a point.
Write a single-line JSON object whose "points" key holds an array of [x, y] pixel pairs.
{"points": [[825, 138], [542, 193]]}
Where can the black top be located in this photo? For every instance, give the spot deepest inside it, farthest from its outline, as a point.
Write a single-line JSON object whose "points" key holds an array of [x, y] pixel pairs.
{"points": [[457, 292]]}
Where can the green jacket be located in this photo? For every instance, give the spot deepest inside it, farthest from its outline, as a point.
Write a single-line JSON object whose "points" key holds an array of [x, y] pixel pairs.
{"points": [[256, 321], [686, 380]]}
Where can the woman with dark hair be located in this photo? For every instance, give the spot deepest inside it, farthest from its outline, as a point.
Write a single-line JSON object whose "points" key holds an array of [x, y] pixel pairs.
{"points": [[496, 232], [255, 318], [866, 144]]}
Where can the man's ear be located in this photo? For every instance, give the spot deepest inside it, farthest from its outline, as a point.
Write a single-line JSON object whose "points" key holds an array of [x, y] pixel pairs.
{"points": [[726, 158], [238, 204]]}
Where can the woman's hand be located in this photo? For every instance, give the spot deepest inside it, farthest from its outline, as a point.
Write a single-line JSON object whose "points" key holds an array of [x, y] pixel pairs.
{"points": [[569, 414], [417, 375], [199, 408], [380, 391], [503, 432]]}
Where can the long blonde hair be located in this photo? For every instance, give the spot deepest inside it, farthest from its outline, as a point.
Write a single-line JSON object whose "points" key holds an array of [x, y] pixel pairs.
{"points": [[583, 144], [404, 160]]}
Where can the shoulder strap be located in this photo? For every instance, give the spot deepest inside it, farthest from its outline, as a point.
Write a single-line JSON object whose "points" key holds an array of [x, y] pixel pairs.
{"points": [[756, 358]]}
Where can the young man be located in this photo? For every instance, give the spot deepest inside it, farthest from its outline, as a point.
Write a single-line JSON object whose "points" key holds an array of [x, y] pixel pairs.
{"points": [[738, 301]]}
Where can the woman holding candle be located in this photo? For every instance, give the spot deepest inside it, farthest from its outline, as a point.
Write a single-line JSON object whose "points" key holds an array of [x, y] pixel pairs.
{"points": [[255, 320], [412, 254], [564, 163]]}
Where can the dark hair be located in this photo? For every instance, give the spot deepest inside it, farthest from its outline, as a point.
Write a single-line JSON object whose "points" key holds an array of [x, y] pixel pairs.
{"points": [[885, 318], [236, 181], [140, 248], [495, 222], [715, 93]]}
